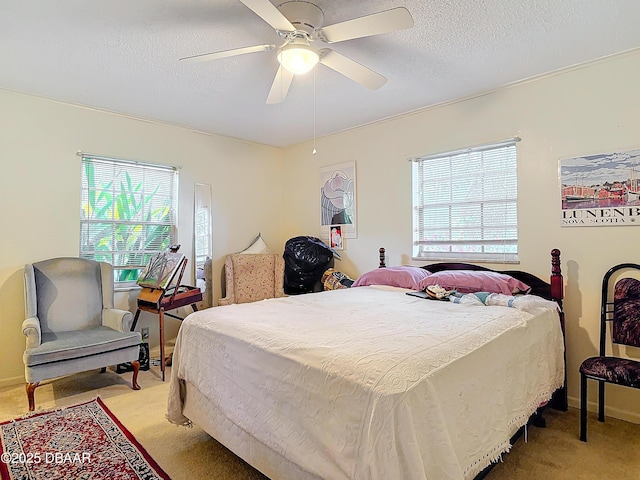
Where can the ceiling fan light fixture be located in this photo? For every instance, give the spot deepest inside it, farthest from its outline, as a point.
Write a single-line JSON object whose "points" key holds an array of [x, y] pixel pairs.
{"points": [[298, 58]]}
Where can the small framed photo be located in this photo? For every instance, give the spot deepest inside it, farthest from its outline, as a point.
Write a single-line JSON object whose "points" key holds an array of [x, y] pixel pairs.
{"points": [[336, 237]]}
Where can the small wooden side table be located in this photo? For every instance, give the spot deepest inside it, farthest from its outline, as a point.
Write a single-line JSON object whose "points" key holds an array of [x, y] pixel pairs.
{"points": [[161, 302]]}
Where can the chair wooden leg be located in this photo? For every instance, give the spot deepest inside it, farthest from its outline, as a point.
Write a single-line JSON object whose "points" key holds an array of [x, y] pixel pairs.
{"points": [[583, 407], [161, 328], [601, 401], [31, 387], [103, 369], [134, 379]]}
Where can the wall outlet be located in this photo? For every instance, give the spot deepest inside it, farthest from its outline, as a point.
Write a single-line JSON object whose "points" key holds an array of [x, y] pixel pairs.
{"points": [[145, 333]]}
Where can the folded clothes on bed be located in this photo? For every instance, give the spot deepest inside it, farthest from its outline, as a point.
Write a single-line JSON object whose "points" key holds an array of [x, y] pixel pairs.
{"points": [[527, 303]]}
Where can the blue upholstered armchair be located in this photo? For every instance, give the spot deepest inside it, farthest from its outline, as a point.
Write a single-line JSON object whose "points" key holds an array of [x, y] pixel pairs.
{"points": [[71, 325]]}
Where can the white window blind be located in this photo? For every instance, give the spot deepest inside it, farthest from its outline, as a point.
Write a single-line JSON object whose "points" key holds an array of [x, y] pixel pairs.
{"points": [[128, 213], [465, 205]]}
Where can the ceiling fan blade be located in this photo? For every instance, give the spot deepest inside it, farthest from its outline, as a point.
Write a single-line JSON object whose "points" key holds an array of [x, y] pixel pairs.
{"points": [[382, 22], [280, 86], [228, 53], [352, 69], [270, 14]]}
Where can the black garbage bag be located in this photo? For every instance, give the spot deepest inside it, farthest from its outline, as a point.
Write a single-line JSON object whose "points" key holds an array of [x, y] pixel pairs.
{"points": [[305, 260]]}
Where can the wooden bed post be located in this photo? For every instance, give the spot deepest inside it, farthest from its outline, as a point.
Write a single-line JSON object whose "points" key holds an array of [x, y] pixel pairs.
{"points": [[560, 400], [382, 263], [557, 287]]}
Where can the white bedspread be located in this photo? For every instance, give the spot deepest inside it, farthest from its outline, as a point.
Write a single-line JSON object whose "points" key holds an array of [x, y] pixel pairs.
{"points": [[370, 383]]}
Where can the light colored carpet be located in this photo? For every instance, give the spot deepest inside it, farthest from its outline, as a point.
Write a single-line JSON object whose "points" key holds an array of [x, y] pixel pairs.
{"points": [[613, 450]]}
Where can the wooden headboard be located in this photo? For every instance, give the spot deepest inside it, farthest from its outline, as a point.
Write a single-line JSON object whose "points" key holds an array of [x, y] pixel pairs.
{"points": [[551, 290]]}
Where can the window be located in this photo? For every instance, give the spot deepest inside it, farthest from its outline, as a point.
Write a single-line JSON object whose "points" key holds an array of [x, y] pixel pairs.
{"points": [[465, 205], [128, 213], [202, 233]]}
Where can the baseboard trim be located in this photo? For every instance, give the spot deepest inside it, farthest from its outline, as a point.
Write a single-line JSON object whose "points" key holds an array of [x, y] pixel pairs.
{"points": [[10, 382], [619, 413]]}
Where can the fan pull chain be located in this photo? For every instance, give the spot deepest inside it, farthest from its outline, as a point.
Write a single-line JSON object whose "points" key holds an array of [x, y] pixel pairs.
{"points": [[314, 112]]}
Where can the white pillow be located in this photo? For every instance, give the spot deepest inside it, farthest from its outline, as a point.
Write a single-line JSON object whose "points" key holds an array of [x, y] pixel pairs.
{"points": [[257, 246]]}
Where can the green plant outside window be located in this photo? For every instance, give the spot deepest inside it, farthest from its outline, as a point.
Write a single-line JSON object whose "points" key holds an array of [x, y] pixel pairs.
{"points": [[128, 213]]}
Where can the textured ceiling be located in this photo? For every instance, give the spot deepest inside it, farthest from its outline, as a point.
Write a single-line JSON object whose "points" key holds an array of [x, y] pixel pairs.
{"points": [[122, 56]]}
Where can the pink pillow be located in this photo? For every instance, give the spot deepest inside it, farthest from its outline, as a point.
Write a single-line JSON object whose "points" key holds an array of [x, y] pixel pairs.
{"points": [[402, 276], [471, 281]]}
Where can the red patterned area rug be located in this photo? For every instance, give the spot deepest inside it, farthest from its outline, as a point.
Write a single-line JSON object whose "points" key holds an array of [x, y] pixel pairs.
{"points": [[80, 442]]}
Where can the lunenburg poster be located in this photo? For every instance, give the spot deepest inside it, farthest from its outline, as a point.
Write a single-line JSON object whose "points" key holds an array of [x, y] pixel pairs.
{"points": [[601, 190]]}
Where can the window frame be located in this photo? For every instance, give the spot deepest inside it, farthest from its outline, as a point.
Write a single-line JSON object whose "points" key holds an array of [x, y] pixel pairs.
{"points": [[489, 237], [131, 184]]}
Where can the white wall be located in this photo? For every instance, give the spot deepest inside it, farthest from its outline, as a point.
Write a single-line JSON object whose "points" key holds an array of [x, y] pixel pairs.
{"points": [[40, 194], [586, 110]]}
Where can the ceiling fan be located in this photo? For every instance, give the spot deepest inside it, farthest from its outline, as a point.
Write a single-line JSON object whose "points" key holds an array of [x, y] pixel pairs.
{"points": [[299, 24]]}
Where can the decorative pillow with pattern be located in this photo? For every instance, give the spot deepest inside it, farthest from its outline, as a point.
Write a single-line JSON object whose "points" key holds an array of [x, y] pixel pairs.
{"points": [[334, 280]]}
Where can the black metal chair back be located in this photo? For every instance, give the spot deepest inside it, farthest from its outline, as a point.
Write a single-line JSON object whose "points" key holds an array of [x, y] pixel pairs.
{"points": [[620, 306]]}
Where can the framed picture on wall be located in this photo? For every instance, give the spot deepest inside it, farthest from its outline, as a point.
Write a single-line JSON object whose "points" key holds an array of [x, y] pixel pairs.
{"points": [[336, 237], [338, 201], [601, 190]]}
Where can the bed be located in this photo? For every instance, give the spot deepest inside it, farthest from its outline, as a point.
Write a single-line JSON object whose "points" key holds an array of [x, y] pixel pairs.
{"points": [[369, 382]]}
